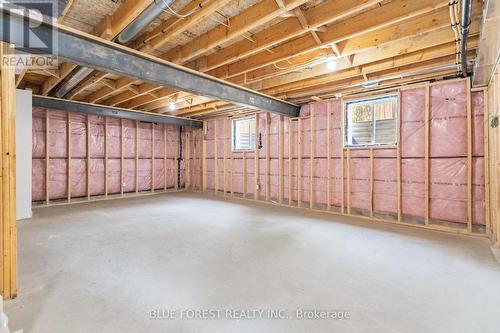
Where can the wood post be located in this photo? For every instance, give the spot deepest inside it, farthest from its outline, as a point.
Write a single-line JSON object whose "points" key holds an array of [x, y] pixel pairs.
{"points": [[8, 229]]}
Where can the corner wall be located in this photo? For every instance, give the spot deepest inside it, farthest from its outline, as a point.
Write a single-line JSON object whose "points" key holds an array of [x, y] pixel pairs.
{"points": [[433, 179]]}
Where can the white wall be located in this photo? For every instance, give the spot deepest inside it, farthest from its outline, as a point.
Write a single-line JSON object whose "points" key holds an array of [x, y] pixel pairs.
{"points": [[23, 153]]}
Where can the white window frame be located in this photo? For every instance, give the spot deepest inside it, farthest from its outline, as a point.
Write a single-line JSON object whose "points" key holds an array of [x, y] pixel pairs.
{"points": [[254, 118], [347, 123]]}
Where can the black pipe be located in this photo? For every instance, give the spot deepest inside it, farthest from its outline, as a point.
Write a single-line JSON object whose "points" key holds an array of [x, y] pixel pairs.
{"points": [[465, 22]]}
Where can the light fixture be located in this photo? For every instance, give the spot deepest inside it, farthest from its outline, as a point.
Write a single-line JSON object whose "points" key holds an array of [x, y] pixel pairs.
{"points": [[331, 65], [171, 106]]}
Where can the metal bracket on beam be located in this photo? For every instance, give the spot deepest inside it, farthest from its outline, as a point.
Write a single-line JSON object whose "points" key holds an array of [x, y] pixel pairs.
{"points": [[109, 111], [90, 51]]}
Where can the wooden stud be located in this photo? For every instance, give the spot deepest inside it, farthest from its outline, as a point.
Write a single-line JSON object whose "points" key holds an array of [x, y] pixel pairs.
{"points": [[268, 156], [256, 160], [204, 157], [88, 157], [106, 140], [68, 143], [469, 157], [486, 162], [289, 162], [299, 161], [47, 155], [152, 157], [371, 182], [231, 174], [348, 171], [224, 153], [165, 164], [280, 158], [8, 230], [328, 157], [122, 158], [245, 180], [176, 165], [312, 142], [136, 156], [426, 153], [216, 159], [342, 166], [398, 158]]}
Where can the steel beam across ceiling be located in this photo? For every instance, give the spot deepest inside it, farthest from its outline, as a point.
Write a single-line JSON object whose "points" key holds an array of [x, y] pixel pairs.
{"points": [[108, 111], [90, 51]]}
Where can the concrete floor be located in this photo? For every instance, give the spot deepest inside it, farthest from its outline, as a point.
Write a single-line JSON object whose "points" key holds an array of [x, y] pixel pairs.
{"points": [[104, 266]]}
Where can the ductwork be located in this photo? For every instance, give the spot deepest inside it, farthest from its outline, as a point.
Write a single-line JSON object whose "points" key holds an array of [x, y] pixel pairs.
{"points": [[465, 22], [142, 21], [128, 34], [77, 77]]}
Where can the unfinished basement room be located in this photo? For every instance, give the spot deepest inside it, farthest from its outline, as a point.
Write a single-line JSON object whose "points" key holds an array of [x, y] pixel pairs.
{"points": [[182, 166]]}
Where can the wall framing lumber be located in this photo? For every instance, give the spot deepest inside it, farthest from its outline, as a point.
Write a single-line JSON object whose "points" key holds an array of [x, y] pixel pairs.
{"points": [[426, 153], [8, 227], [469, 156]]}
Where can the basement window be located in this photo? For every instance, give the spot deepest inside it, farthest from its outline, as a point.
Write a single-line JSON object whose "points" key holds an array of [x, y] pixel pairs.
{"points": [[243, 134], [371, 122]]}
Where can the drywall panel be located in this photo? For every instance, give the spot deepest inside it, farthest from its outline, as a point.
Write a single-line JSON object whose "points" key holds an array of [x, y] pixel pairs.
{"points": [[23, 153]]}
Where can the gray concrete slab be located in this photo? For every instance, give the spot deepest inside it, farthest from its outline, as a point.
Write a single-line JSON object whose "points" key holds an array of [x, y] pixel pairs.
{"points": [[104, 266]]}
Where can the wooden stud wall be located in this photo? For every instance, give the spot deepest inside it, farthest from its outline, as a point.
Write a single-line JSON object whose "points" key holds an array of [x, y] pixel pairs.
{"points": [[296, 137], [493, 171], [8, 228], [187, 139]]}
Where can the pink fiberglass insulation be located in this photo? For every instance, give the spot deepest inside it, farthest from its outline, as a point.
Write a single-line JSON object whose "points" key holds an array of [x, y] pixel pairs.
{"points": [[122, 136], [447, 162]]}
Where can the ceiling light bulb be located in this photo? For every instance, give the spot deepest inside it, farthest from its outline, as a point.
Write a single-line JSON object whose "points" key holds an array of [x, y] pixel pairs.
{"points": [[331, 65], [171, 106]]}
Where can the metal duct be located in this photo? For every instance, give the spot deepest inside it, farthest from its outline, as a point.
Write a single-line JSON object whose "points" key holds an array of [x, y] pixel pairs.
{"points": [[142, 21], [66, 87], [465, 22]]}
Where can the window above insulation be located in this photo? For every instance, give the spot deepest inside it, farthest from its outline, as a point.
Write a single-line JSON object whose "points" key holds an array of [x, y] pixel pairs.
{"points": [[243, 134], [371, 122]]}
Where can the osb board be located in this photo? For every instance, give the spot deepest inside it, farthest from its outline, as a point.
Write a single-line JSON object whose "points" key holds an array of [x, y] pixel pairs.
{"points": [[84, 15], [233, 8]]}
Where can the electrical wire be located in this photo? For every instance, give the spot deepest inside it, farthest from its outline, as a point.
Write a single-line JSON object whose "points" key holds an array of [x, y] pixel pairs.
{"points": [[181, 16]]}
